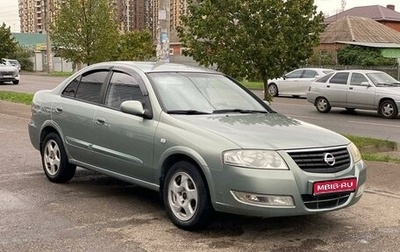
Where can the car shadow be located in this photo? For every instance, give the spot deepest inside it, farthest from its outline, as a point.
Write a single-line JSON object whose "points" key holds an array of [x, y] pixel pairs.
{"points": [[144, 201]]}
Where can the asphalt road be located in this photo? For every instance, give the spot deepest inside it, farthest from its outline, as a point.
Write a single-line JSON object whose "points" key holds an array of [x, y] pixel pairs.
{"points": [[97, 213], [359, 123]]}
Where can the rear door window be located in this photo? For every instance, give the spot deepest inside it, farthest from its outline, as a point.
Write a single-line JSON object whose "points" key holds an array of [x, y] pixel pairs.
{"points": [[87, 87], [309, 74], [340, 78]]}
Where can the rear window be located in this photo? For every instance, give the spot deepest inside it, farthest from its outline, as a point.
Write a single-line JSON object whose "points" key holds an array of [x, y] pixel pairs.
{"points": [[325, 78]]}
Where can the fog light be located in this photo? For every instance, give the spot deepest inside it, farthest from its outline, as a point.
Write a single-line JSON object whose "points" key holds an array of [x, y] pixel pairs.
{"points": [[360, 190], [263, 199]]}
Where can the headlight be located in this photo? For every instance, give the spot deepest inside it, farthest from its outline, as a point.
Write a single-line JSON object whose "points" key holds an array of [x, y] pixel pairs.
{"points": [[255, 159], [354, 152]]}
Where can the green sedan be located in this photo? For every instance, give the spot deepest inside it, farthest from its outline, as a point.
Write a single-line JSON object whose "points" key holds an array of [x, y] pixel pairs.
{"points": [[196, 136]]}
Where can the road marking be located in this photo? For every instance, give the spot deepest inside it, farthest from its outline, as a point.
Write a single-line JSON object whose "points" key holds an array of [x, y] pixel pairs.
{"points": [[307, 117], [376, 124]]}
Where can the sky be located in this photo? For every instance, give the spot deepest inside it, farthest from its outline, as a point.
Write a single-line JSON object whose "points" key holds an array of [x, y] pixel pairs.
{"points": [[9, 9]]}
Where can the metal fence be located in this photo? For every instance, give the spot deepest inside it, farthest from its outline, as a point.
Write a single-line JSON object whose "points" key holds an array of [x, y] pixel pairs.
{"points": [[394, 71]]}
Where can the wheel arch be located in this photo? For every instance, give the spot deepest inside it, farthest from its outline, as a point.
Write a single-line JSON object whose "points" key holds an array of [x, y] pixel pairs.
{"points": [[386, 99], [196, 160]]}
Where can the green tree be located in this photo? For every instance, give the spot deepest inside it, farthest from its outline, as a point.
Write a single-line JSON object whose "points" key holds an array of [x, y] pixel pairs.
{"points": [[363, 56], [8, 44], [136, 45], [23, 56], [85, 30], [251, 39]]}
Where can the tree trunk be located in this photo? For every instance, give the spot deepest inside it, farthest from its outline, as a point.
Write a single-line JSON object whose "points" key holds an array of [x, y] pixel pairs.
{"points": [[267, 96]]}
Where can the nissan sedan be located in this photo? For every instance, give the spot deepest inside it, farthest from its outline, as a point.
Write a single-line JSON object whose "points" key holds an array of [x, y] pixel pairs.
{"points": [[196, 136], [357, 89]]}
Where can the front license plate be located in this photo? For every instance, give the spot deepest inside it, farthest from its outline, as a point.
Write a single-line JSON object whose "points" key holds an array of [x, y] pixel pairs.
{"points": [[335, 186], [7, 76]]}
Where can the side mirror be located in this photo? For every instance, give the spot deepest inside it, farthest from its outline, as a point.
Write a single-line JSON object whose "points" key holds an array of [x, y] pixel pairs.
{"points": [[132, 107], [365, 83]]}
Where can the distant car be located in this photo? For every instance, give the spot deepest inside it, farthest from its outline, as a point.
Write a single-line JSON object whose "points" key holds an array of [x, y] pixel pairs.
{"points": [[357, 89], [12, 62], [196, 136], [296, 82], [9, 73]]}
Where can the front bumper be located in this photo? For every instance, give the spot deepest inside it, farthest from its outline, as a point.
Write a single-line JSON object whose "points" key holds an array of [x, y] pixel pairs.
{"points": [[277, 184], [6, 78]]}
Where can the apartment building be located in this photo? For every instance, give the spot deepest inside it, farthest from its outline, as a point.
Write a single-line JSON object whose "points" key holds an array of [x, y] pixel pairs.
{"points": [[130, 14], [33, 14], [133, 14]]}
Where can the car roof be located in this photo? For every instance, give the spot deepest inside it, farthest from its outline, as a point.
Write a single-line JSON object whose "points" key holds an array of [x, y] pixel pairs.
{"points": [[150, 66], [360, 71], [314, 68]]}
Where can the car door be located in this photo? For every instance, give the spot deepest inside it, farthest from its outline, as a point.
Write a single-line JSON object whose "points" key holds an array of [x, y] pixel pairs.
{"points": [[304, 82], [124, 142], [361, 92], [73, 113], [290, 82], [336, 89]]}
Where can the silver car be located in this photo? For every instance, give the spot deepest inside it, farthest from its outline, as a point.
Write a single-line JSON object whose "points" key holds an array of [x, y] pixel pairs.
{"points": [[196, 136], [296, 82], [357, 89], [9, 73]]}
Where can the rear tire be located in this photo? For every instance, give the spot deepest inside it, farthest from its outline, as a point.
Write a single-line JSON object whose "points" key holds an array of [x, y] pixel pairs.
{"points": [[55, 161], [322, 105], [186, 197], [388, 109], [273, 90]]}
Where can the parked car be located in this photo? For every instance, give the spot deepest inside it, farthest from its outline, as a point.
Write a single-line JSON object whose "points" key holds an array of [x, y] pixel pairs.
{"points": [[196, 136], [357, 89], [12, 62], [9, 73], [296, 82]]}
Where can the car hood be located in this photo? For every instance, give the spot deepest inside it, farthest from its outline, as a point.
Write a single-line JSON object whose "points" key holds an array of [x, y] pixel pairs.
{"points": [[266, 131], [388, 90], [5, 68]]}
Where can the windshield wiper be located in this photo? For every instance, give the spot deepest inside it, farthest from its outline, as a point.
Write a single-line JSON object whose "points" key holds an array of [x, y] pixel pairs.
{"points": [[188, 112], [242, 111]]}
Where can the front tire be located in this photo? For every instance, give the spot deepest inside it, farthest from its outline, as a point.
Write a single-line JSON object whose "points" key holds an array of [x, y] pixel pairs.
{"points": [[186, 197], [15, 82], [388, 109], [322, 105], [273, 90], [55, 161]]}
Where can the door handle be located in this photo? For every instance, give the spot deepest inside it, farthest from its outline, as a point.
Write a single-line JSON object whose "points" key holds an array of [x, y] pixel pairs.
{"points": [[100, 121], [351, 88], [59, 110], [328, 86]]}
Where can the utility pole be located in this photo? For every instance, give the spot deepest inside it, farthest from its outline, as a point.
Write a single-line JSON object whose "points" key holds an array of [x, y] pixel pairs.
{"points": [[47, 19], [163, 31]]}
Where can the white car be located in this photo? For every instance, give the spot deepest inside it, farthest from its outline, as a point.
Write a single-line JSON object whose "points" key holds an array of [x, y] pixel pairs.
{"points": [[296, 83], [9, 73], [357, 89]]}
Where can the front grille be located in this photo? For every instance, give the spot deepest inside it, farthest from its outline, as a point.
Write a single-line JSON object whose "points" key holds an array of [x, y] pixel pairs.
{"points": [[324, 201], [7, 73], [312, 160]]}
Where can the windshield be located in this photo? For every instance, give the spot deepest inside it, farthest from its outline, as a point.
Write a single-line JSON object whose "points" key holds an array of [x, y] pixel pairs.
{"points": [[383, 79], [202, 93]]}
